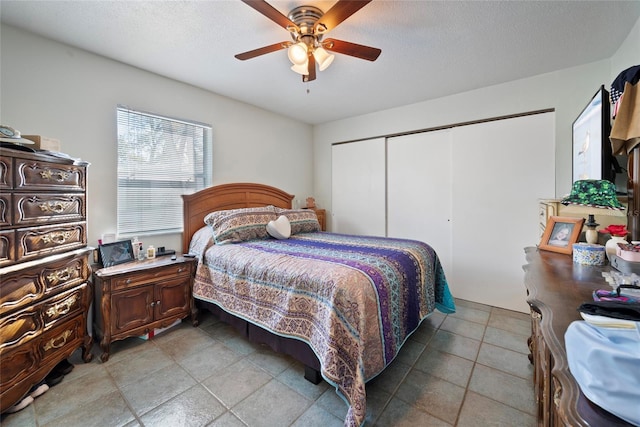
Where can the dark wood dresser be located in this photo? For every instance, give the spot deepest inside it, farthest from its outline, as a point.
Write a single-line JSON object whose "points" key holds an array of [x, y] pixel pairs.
{"points": [[45, 292], [556, 287]]}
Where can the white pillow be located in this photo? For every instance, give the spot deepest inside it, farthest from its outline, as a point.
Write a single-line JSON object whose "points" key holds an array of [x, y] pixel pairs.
{"points": [[280, 228]]}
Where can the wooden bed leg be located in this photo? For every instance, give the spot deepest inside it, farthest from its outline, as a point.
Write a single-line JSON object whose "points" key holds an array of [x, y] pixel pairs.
{"points": [[312, 375]]}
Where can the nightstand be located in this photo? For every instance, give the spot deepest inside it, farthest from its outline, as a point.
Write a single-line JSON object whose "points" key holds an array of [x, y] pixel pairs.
{"points": [[322, 218], [134, 298]]}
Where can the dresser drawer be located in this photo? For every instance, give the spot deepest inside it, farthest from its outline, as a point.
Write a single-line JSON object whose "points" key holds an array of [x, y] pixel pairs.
{"points": [[5, 210], [56, 309], [42, 175], [34, 209], [20, 362], [20, 327], [7, 247], [38, 241], [6, 173], [542, 215], [150, 276], [68, 335], [17, 365], [25, 286]]}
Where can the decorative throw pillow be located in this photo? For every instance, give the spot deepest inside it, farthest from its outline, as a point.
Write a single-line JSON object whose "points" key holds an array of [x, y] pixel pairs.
{"points": [[240, 225], [302, 220], [280, 228]]}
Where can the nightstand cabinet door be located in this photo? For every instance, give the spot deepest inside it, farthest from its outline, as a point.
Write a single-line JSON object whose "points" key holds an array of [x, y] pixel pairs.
{"points": [[131, 309], [172, 299]]}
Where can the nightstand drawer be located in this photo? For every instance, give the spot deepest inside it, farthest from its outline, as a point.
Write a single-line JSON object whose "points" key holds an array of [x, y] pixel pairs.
{"points": [[145, 277]]}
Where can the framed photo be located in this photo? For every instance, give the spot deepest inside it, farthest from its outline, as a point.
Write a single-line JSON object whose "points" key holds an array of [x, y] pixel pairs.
{"points": [[561, 233], [116, 253]]}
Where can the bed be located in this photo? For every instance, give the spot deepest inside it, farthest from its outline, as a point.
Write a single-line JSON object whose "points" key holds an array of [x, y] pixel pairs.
{"points": [[342, 305]]}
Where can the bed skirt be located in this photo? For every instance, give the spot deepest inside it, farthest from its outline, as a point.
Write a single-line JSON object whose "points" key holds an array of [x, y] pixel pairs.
{"points": [[297, 349]]}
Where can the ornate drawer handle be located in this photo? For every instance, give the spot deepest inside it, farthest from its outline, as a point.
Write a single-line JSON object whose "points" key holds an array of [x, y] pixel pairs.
{"points": [[58, 238], [55, 207], [62, 308], [49, 174], [52, 342], [557, 392], [60, 275]]}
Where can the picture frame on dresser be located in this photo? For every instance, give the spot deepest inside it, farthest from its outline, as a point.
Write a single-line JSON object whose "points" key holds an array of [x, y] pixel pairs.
{"points": [[560, 234], [116, 253]]}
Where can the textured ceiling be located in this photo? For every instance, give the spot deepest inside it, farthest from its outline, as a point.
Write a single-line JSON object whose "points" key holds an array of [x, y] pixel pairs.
{"points": [[430, 49]]}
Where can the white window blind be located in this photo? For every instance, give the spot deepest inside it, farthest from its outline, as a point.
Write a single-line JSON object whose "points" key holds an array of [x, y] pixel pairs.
{"points": [[159, 159]]}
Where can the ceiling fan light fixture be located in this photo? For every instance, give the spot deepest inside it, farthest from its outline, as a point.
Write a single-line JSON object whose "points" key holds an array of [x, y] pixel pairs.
{"points": [[297, 53], [323, 58], [301, 68]]}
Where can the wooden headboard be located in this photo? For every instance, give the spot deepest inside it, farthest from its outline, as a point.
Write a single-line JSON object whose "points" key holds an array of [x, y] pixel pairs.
{"points": [[227, 196]]}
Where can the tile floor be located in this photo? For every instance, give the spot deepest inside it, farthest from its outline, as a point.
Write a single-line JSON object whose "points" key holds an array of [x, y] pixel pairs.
{"points": [[464, 369]]}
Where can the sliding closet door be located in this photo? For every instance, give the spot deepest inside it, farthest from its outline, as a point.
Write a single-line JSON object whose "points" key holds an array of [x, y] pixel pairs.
{"points": [[419, 190], [500, 171], [358, 187]]}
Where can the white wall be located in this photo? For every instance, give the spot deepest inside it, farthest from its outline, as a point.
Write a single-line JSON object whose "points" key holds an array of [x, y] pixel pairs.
{"points": [[567, 91], [58, 91], [628, 53]]}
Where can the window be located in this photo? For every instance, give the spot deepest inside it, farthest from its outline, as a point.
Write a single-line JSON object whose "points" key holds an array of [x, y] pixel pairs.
{"points": [[159, 159]]}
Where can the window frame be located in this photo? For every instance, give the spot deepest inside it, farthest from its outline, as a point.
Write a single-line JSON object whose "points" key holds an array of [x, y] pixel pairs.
{"points": [[149, 139]]}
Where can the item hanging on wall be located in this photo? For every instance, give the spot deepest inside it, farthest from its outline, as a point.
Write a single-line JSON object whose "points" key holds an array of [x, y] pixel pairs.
{"points": [[630, 75], [625, 133]]}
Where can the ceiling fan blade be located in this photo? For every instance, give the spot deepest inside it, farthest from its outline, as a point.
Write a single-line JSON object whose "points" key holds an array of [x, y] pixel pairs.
{"points": [[352, 49], [262, 51], [338, 13], [271, 12], [311, 70]]}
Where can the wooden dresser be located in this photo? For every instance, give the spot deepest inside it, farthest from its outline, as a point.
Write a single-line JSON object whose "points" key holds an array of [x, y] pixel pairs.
{"points": [[44, 268], [136, 297], [553, 207], [556, 287]]}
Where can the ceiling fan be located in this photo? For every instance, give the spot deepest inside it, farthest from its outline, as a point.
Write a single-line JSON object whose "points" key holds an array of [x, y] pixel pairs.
{"points": [[307, 26]]}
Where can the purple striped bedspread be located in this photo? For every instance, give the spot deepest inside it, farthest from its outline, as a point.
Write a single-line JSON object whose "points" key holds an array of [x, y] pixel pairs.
{"points": [[353, 299]]}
